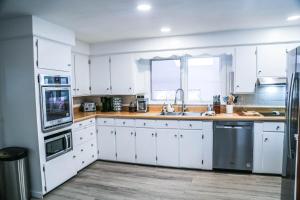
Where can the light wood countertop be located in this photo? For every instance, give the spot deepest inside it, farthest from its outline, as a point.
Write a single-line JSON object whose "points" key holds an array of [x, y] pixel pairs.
{"points": [[79, 116]]}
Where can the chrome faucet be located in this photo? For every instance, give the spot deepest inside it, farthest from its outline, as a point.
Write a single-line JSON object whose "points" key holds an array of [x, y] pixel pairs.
{"points": [[182, 99]]}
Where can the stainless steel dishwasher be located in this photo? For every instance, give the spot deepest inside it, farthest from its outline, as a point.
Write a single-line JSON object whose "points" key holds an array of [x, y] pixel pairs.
{"points": [[233, 145]]}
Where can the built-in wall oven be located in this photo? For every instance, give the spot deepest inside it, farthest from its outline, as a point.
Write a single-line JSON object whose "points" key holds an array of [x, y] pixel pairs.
{"points": [[56, 101], [58, 144]]}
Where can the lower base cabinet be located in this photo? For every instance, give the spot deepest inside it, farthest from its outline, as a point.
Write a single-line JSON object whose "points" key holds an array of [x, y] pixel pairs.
{"points": [[145, 146], [167, 147], [125, 144], [268, 148], [86, 154], [106, 143], [190, 148]]}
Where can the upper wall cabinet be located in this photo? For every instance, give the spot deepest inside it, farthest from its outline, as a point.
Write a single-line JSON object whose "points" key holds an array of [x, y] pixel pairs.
{"points": [[80, 75], [122, 74], [113, 75], [52, 55], [245, 69], [271, 60], [100, 75]]}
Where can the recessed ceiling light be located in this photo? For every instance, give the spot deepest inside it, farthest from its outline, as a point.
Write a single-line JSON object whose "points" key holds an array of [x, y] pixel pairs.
{"points": [[165, 29], [294, 17], [144, 7]]}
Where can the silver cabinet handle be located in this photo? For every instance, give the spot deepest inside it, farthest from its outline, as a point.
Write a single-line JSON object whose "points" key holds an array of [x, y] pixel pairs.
{"points": [[144, 124], [111, 132], [80, 138], [92, 145], [175, 135], [81, 150], [82, 162], [278, 127], [124, 123], [152, 134], [266, 139], [74, 156], [93, 156], [131, 133], [181, 136], [166, 124], [237, 86], [107, 88], [191, 125], [91, 133]]}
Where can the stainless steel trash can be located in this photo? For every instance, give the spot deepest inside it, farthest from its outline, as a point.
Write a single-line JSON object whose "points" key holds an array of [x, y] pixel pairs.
{"points": [[14, 179]]}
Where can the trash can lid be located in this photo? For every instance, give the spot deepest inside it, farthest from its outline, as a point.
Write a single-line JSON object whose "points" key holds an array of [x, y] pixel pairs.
{"points": [[12, 153]]}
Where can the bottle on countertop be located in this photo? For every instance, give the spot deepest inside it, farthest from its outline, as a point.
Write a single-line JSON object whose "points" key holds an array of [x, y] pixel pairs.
{"points": [[217, 104]]}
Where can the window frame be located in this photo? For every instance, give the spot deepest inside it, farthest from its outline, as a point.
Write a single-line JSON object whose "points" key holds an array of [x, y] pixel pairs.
{"points": [[151, 81]]}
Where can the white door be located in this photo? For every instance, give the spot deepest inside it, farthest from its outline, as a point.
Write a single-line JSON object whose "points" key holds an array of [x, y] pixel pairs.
{"points": [[122, 74], [82, 75], [272, 152], [125, 143], [106, 143], [100, 75], [167, 147], [53, 55], [57, 171], [271, 60], [190, 148], [73, 76], [245, 69], [145, 146]]}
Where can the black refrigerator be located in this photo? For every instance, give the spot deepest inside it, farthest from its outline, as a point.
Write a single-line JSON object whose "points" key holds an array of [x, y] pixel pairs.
{"points": [[288, 184]]}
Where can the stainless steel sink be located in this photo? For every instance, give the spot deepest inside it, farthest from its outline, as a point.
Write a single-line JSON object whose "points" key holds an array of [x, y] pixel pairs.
{"points": [[181, 114]]}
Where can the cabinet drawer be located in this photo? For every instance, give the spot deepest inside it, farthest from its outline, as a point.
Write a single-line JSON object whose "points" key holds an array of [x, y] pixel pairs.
{"points": [[105, 121], [125, 122], [190, 125], [86, 154], [84, 123], [145, 123], [167, 124], [271, 126], [84, 135]]}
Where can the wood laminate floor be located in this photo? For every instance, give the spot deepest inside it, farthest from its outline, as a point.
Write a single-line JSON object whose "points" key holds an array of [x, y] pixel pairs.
{"points": [[115, 181]]}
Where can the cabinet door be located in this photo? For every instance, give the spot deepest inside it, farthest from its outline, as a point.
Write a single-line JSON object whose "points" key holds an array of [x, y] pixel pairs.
{"points": [[125, 143], [145, 146], [122, 74], [100, 75], [57, 171], [271, 60], [190, 148], [245, 69], [106, 143], [53, 55], [82, 75], [207, 146], [167, 147], [272, 152]]}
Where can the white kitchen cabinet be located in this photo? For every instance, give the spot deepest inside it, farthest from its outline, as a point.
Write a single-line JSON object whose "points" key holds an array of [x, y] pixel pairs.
{"points": [[59, 170], [167, 147], [100, 75], [190, 148], [125, 144], [271, 60], [86, 154], [106, 142], [145, 145], [245, 69], [207, 145], [268, 149], [81, 75], [122, 74], [53, 55]]}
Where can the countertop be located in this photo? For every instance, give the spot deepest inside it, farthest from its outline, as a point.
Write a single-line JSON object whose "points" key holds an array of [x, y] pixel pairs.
{"points": [[79, 116]]}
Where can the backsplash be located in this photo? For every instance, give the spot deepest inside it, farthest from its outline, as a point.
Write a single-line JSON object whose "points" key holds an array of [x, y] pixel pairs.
{"points": [[271, 95]]}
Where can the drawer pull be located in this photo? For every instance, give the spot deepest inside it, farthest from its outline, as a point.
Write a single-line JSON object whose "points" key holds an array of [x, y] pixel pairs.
{"points": [[93, 156], [104, 122], [175, 135], [91, 133], [131, 133], [80, 138], [278, 127], [81, 150], [92, 145], [181, 136], [152, 134], [74, 156], [82, 162], [266, 139], [166, 124], [80, 124], [144, 124], [191, 125], [124, 123], [112, 132]]}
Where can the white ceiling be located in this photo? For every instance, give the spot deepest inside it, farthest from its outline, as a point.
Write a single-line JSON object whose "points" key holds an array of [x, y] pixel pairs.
{"points": [[106, 20]]}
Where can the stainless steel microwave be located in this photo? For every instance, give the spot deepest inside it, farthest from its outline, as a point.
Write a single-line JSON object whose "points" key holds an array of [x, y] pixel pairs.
{"points": [[56, 101], [58, 144]]}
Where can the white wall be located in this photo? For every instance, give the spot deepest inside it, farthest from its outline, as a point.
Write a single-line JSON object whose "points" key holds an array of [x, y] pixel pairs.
{"points": [[81, 48], [207, 40]]}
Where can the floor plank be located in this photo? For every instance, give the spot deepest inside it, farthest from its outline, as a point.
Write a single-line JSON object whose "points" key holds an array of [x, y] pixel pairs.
{"points": [[116, 181]]}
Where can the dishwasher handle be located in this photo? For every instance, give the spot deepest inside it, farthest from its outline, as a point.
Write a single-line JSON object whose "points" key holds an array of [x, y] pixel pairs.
{"points": [[232, 127]]}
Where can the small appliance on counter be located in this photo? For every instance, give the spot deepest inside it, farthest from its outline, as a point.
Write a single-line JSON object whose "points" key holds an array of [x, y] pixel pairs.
{"points": [[106, 104], [88, 107], [141, 104], [217, 104], [117, 104], [132, 107]]}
